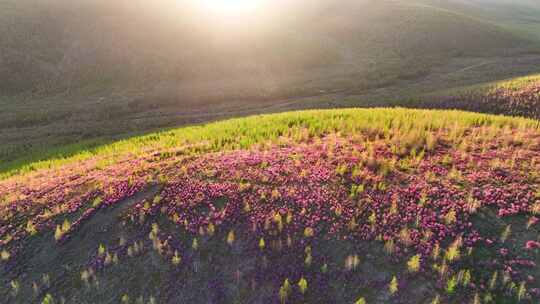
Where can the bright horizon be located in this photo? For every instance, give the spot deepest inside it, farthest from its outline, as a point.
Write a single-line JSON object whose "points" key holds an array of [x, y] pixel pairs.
{"points": [[232, 7]]}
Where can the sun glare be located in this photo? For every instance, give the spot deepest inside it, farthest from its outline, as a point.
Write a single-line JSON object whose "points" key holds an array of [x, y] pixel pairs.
{"points": [[231, 7]]}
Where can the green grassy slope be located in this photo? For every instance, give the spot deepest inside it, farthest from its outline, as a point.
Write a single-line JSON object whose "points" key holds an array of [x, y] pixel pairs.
{"points": [[243, 133]]}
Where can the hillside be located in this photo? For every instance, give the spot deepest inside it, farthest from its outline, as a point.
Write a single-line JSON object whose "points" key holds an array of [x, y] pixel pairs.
{"points": [[269, 151], [341, 206], [516, 96], [80, 70], [133, 168]]}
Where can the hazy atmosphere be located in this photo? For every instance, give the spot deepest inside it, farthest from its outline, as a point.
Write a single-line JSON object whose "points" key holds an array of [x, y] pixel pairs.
{"points": [[258, 151]]}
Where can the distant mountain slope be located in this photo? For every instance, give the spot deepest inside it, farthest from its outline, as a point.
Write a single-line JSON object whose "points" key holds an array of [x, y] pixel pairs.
{"points": [[517, 96], [58, 45], [520, 16]]}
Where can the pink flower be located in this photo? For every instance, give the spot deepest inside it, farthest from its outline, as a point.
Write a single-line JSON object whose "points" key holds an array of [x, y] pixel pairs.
{"points": [[532, 245]]}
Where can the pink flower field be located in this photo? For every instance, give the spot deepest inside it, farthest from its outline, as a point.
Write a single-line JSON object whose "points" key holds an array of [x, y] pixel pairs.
{"points": [[341, 217], [521, 100]]}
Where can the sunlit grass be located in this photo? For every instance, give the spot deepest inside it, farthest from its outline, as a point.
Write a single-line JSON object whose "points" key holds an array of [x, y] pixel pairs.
{"points": [[243, 133]]}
